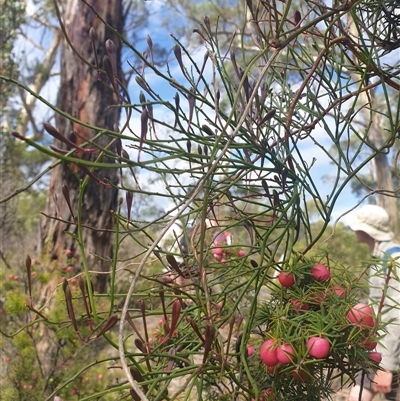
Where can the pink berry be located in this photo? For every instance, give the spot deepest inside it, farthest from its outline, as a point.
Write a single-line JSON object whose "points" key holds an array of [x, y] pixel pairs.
{"points": [[301, 377], [319, 297], [320, 272], [241, 253], [285, 354], [286, 279], [375, 357], [218, 306], [339, 291], [361, 315], [217, 251], [318, 347], [250, 350], [371, 345], [268, 353], [299, 306]]}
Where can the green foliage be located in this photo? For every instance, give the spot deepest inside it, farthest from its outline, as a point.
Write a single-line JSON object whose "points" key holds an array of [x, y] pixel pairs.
{"points": [[27, 213], [338, 243], [170, 317], [12, 16], [10, 394], [17, 163], [25, 364], [325, 317], [15, 304]]}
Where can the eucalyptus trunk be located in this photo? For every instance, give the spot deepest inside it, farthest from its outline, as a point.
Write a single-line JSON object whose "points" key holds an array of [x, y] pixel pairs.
{"points": [[382, 172], [88, 99]]}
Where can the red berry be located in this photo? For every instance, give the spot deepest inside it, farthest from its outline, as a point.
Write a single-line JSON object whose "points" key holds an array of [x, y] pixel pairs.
{"points": [[273, 370], [361, 314], [319, 297], [318, 347], [217, 251], [371, 345], [375, 357], [286, 279], [320, 272], [268, 353], [301, 377], [68, 252], [241, 253], [339, 291], [285, 354], [218, 306], [299, 306], [267, 395], [250, 350]]}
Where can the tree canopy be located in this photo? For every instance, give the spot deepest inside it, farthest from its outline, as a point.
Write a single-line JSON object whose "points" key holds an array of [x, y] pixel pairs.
{"points": [[218, 132]]}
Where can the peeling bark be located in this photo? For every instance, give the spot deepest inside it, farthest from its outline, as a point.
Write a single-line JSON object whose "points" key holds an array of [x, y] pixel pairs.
{"points": [[86, 98]]}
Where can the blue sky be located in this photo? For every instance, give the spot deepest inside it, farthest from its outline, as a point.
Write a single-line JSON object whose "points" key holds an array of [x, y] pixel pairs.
{"points": [[312, 154]]}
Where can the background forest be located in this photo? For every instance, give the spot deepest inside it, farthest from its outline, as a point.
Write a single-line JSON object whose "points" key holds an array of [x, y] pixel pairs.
{"points": [[126, 124]]}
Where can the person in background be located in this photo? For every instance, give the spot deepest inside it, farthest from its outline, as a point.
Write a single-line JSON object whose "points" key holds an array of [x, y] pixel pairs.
{"points": [[371, 226], [222, 238]]}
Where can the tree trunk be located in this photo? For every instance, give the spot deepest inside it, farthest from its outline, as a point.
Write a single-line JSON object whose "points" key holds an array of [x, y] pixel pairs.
{"points": [[383, 176], [382, 170], [88, 99], [381, 166]]}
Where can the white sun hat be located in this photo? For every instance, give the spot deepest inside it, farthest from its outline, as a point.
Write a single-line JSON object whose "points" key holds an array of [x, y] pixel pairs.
{"points": [[373, 220]]}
